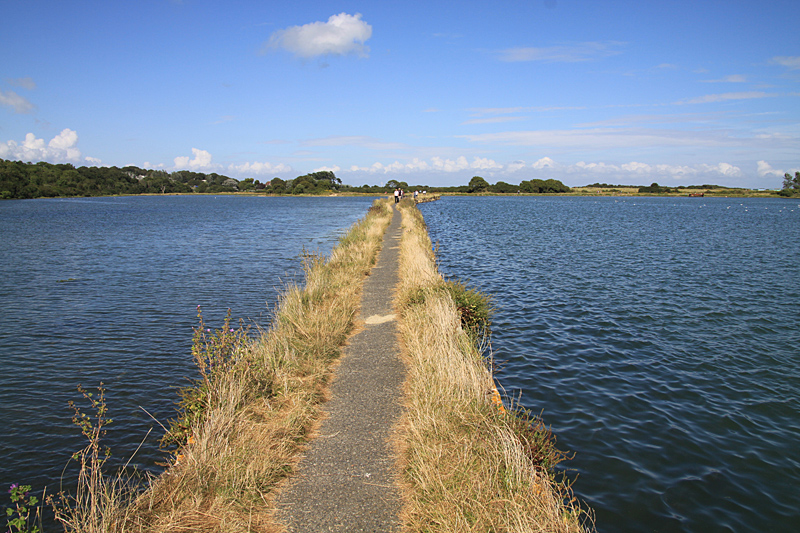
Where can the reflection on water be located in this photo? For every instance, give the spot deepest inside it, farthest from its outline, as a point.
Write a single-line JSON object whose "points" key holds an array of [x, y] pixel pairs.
{"points": [[659, 336]]}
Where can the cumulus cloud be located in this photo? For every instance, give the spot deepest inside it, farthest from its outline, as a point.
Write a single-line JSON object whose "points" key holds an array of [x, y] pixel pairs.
{"points": [[342, 34], [18, 103], [200, 161], [764, 169], [334, 168], [436, 164], [573, 53], [634, 172], [61, 149], [257, 168], [638, 171], [544, 162]]}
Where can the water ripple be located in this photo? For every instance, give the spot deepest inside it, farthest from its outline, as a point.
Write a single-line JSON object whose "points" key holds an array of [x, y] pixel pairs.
{"points": [[659, 337]]}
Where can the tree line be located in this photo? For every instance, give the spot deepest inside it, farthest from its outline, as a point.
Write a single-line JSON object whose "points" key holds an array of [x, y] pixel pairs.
{"points": [[19, 180], [47, 180]]}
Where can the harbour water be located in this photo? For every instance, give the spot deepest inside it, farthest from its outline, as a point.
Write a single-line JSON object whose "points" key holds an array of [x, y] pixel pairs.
{"points": [[659, 338], [106, 290]]}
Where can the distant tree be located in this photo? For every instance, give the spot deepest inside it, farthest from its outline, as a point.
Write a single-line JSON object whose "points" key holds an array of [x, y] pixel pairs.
{"points": [[791, 185], [654, 188], [277, 186], [478, 184], [503, 187], [394, 184]]}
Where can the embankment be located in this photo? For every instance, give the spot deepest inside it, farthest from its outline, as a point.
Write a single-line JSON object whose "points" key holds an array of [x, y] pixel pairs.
{"points": [[467, 463], [249, 420], [463, 462]]}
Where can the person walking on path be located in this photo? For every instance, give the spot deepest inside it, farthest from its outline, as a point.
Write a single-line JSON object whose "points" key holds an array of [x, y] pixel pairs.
{"points": [[396, 195]]}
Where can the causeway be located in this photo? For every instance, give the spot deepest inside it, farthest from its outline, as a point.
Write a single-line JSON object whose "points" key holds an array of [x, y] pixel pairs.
{"points": [[347, 479]]}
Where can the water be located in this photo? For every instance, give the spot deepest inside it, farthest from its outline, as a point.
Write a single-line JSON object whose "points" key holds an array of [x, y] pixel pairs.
{"points": [[659, 336], [106, 290]]}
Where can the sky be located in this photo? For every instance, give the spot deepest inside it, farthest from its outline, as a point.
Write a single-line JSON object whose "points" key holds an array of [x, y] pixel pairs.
{"points": [[435, 92]]}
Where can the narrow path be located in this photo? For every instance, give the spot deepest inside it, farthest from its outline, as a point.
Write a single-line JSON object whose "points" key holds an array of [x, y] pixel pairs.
{"points": [[346, 481]]}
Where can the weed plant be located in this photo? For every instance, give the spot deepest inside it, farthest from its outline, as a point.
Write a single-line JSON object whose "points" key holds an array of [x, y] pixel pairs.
{"points": [[100, 502], [19, 519], [468, 465]]}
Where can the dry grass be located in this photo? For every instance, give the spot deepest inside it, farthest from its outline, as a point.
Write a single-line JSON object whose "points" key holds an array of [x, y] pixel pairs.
{"points": [[466, 464], [257, 415]]}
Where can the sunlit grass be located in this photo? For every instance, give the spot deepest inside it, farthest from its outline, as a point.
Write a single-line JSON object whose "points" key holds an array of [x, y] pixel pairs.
{"points": [[467, 464], [251, 410]]}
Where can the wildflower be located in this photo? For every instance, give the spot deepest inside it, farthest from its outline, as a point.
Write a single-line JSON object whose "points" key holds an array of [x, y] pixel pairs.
{"points": [[13, 486]]}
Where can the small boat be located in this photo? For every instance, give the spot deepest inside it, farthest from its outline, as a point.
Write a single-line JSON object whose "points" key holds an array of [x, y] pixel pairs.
{"points": [[697, 194]]}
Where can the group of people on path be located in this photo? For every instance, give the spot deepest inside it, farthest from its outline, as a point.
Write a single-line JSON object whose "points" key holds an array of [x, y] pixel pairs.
{"points": [[399, 194]]}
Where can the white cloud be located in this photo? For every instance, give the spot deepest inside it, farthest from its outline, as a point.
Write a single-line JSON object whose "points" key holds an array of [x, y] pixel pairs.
{"points": [[61, 148], [544, 162], [25, 83], [436, 164], [201, 161], [764, 169], [93, 161], [257, 168], [343, 34], [355, 140], [711, 98], [733, 78], [459, 170], [573, 53], [791, 62], [491, 120], [18, 103], [334, 168], [515, 166]]}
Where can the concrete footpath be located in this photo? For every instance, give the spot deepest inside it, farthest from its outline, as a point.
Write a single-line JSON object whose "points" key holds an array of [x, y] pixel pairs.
{"points": [[346, 480]]}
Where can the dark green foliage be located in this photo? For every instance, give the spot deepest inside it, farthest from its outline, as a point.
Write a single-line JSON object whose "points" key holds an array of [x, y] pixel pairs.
{"points": [[478, 184], [474, 307], [214, 354], [791, 185], [654, 188], [314, 183], [503, 187], [46, 180], [537, 186]]}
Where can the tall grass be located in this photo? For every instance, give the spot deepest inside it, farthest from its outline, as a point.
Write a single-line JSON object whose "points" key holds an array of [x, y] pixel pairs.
{"points": [[467, 464], [244, 423]]}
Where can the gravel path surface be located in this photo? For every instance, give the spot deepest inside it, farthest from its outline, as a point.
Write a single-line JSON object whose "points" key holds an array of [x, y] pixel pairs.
{"points": [[347, 480]]}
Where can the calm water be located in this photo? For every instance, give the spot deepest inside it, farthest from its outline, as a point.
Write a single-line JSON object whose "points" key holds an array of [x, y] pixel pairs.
{"points": [[137, 268], [661, 338]]}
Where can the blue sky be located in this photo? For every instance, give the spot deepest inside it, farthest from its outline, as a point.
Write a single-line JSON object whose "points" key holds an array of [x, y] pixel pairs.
{"points": [[676, 92]]}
